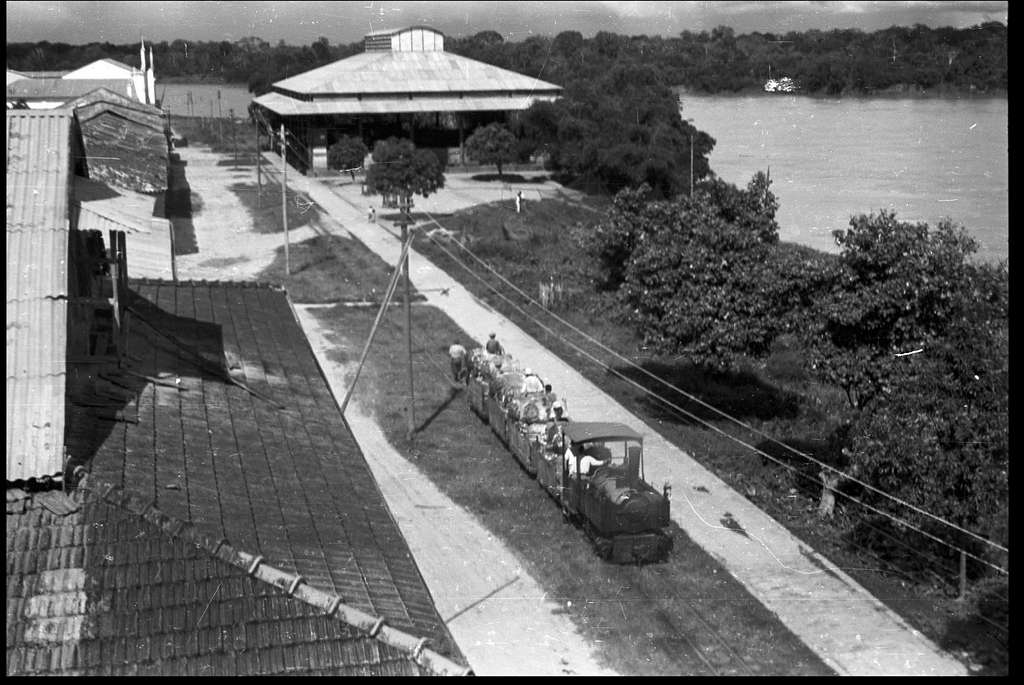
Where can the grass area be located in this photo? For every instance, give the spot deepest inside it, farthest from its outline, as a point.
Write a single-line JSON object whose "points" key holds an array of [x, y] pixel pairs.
{"points": [[650, 620], [332, 268], [546, 244]]}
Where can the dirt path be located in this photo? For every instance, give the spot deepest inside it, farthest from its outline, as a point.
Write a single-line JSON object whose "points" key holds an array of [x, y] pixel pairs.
{"points": [[852, 631], [496, 612], [229, 246]]}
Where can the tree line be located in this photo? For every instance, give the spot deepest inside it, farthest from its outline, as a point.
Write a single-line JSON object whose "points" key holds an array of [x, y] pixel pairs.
{"points": [[841, 61]]}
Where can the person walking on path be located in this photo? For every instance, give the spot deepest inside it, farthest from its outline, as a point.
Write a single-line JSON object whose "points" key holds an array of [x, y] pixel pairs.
{"points": [[457, 357], [519, 201], [372, 215], [493, 346]]}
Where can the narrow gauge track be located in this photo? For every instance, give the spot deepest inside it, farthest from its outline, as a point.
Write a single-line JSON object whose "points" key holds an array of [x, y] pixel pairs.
{"points": [[677, 626]]}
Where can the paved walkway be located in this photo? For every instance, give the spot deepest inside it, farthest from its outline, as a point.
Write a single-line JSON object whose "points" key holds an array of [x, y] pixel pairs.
{"points": [[849, 629]]}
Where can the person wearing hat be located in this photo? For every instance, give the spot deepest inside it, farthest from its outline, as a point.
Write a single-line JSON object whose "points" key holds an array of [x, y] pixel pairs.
{"points": [[493, 346], [553, 434], [532, 382]]}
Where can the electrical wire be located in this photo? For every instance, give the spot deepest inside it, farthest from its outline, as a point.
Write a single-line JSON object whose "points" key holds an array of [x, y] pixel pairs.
{"points": [[690, 415], [722, 413]]}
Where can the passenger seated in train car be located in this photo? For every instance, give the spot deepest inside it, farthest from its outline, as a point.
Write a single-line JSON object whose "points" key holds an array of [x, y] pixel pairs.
{"points": [[532, 382], [553, 437], [587, 462]]}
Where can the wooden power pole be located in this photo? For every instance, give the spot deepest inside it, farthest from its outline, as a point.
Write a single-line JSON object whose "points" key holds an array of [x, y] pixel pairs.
{"points": [[259, 170], [284, 199], [405, 204]]}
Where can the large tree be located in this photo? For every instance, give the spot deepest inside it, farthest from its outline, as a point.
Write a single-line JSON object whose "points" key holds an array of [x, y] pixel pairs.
{"points": [[347, 155], [492, 144], [918, 336], [399, 170]]}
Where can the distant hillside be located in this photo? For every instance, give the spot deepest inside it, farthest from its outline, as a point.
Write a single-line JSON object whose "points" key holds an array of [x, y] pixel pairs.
{"points": [[893, 60]]}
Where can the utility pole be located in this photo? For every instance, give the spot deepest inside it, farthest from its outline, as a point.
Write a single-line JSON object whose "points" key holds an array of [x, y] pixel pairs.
{"points": [[234, 143], [691, 165], [259, 170], [284, 199], [406, 202], [220, 119]]}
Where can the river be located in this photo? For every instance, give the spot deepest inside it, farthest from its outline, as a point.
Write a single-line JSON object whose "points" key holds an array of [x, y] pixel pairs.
{"points": [[924, 158]]}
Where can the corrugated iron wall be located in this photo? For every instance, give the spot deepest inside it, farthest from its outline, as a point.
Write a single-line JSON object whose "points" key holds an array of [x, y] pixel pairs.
{"points": [[38, 171]]}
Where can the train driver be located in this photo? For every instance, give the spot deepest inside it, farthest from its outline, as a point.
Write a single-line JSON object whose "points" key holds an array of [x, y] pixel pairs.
{"points": [[587, 462]]}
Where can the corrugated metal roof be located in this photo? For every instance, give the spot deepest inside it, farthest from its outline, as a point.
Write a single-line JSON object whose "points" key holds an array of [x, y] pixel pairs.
{"points": [[147, 240], [60, 88], [433, 72], [286, 106], [85, 106], [38, 167]]}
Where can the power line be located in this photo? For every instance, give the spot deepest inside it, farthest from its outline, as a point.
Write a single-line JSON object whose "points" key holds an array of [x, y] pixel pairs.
{"points": [[697, 418], [722, 413]]}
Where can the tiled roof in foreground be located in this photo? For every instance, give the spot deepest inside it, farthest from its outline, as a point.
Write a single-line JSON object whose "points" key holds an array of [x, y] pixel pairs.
{"points": [[101, 584], [226, 422]]}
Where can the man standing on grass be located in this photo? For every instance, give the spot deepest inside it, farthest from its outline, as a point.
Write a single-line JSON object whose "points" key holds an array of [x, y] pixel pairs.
{"points": [[457, 356]]}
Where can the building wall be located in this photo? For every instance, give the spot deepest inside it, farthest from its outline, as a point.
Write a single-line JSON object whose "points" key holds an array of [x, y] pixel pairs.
{"points": [[418, 40]]}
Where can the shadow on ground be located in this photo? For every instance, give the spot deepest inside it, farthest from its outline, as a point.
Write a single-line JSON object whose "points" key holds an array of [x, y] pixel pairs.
{"points": [[742, 395], [508, 178], [264, 207], [181, 205]]}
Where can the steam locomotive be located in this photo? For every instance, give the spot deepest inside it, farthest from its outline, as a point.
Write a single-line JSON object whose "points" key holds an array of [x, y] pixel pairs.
{"points": [[593, 470]]}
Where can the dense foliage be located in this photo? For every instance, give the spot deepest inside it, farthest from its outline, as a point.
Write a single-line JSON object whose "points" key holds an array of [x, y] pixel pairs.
{"points": [[830, 62], [400, 170], [918, 336], [699, 274], [902, 320], [621, 129], [492, 144]]}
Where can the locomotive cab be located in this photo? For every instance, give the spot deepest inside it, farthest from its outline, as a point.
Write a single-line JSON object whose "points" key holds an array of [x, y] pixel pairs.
{"points": [[603, 486]]}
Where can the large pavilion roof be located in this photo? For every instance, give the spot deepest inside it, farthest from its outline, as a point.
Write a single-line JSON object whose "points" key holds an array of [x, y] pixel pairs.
{"points": [[401, 80], [416, 73]]}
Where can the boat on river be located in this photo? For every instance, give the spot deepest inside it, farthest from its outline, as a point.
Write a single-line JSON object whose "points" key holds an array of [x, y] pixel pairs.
{"points": [[782, 85]]}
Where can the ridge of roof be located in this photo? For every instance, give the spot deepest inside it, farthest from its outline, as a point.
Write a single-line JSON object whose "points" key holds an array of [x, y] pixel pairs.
{"points": [[391, 32], [203, 283], [293, 585]]}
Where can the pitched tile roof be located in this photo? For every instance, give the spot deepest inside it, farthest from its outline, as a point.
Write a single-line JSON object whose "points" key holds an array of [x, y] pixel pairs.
{"points": [[38, 171], [99, 584], [65, 89], [226, 422]]}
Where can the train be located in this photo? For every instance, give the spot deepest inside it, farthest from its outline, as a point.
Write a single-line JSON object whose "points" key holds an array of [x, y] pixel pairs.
{"points": [[593, 470]]}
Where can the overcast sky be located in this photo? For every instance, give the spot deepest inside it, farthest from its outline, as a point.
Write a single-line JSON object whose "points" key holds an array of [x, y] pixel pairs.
{"points": [[347, 22]]}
